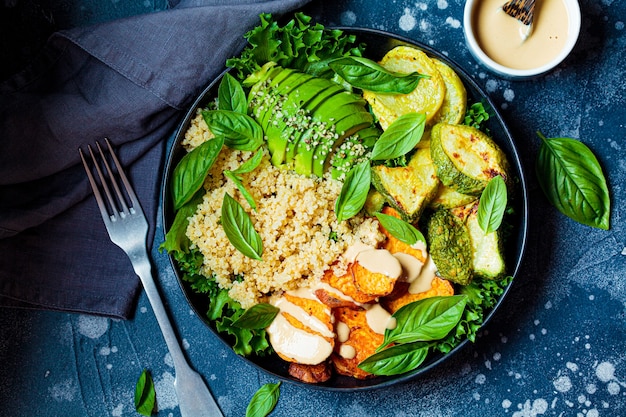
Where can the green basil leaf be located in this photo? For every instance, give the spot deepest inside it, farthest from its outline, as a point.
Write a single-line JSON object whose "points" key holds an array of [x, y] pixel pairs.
{"points": [[259, 316], [400, 229], [264, 400], [242, 189], [396, 359], [492, 205], [400, 137], [426, 320], [239, 229], [240, 131], [230, 95], [354, 191], [189, 174], [176, 239], [571, 178], [145, 394], [251, 164], [366, 74]]}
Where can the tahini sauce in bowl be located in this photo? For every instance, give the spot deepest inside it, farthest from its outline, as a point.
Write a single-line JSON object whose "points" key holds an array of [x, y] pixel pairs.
{"points": [[502, 43]]}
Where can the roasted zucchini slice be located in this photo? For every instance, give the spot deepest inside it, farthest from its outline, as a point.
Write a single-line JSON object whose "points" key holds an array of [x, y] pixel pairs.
{"points": [[450, 247], [466, 158], [427, 97], [448, 197], [455, 100], [408, 189], [487, 249]]}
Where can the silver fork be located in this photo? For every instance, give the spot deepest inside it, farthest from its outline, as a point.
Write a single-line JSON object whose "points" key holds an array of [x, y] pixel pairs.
{"points": [[128, 229]]}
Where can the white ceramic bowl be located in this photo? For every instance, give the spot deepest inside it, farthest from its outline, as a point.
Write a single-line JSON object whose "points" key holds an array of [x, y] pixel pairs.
{"points": [[471, 7]]}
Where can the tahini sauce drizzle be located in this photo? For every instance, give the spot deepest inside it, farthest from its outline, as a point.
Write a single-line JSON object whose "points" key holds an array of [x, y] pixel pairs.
{"points": [[501, 36]]}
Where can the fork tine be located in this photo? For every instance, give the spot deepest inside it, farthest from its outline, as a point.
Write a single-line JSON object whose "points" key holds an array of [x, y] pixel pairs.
{"points": [[94, 186], [120, 196], [129, 189]]}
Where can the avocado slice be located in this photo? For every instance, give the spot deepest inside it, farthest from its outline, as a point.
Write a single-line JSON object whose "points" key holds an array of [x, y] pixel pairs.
{"points": [[352, 150]]}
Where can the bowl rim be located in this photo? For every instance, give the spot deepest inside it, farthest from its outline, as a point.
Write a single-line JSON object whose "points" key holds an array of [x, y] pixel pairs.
{"points": [[522, 234], [574, 16]]}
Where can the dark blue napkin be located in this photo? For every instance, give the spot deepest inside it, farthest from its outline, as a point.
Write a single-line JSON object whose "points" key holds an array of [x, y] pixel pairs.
{"points": [[128, 80]]}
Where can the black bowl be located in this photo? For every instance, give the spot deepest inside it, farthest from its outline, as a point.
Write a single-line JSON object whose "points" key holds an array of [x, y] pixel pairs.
{"points": [[377, 44]]}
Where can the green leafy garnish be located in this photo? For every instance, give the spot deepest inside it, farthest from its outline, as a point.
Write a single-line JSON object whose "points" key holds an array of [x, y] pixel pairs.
{"points": [[397, 359], [239, 130], [259, 316], [476, 116], [492, 205], [189, 174], [239, 229], [264, 400], [176, 239], [571, 178], [400, 137], [242, 188], [368, 75], [145, 394], [251, 164], [230, 95], [426, 320], [354, 191], [400, 229]]}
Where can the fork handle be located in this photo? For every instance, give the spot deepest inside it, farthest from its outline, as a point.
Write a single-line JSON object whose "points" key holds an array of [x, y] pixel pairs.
{"points": [[194, 397]]}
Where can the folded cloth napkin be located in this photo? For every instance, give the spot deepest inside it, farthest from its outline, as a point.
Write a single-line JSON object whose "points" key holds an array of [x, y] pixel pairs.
{"points": [[127, 80]]}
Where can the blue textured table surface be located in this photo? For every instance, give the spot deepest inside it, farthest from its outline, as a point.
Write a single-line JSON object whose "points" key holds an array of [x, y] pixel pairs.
{"points": [[557, 346]]}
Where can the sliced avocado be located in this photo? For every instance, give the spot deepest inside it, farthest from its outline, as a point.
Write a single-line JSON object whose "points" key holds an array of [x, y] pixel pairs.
{"points": [[352, 151]]}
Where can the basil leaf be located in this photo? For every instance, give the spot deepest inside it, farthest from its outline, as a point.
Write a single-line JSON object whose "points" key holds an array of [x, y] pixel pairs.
{"points": [[259, 316], [230, 95], [366, 74], [240, 131], [396, 359], [492, 205], [263, 401], [189, 174], [400, 229], [426, 320], [176, 239], [242, 189], [354, 191], [571, 178], [239, 229], [400, 137], [145, 394], [251, 164]]}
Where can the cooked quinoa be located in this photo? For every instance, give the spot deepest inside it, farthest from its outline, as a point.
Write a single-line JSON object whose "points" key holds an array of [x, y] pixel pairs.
{"points": [[295, 219]]}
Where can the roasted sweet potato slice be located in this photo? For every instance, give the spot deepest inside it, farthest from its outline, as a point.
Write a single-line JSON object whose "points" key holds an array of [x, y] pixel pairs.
{"points": [[313, 308], [312, 374], [361, 343], [372, 283], [401, 296], [346, 285]]}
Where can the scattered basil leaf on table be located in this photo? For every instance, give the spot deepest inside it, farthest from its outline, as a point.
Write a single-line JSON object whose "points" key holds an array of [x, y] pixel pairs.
{"points": [[259, 316], [492, 205], [145, 394], [426, 320], [242, 189], [354, 191], [230, 95], [239, 229], [189, 174], [400, 137], [240, 131], [400, 229], [396, 359], [368, 75], [263, 401], [571, 178]]}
